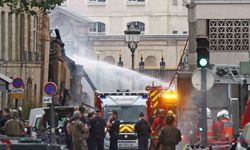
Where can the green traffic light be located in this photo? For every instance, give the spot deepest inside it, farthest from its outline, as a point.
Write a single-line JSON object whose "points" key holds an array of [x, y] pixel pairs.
{"points": [[203, 62]]}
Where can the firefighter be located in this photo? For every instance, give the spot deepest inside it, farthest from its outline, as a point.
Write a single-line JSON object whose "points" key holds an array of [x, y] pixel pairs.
{"points": [[227, 126], [218, 127], [157, 125], [210, 128]]}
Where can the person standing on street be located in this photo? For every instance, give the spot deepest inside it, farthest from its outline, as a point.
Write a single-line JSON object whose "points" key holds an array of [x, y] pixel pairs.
{"points": [[113, 125], [97, 131], [170, 136], [4, 119], [157, 125], [78, 132], [142, 129], [14, 126]]}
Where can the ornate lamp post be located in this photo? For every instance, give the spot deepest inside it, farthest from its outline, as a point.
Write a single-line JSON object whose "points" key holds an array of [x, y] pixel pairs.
{"points": [[141, 64], [162, 64], [120, 62], [132, 37]]}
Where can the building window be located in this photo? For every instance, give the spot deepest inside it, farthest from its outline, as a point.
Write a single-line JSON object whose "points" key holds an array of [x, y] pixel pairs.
{"points": [[96, 2], [150, 62], [175, 32], [136, 0], [175, 2], [97, 27], [139, 25], [185, 32], [110, 60]]}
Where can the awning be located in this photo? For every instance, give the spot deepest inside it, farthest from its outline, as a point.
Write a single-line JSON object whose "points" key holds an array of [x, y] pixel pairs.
{"points": [[5, 78]]}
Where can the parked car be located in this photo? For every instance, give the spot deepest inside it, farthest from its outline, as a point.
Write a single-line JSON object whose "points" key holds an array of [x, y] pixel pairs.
{"points": [[244, 139]]}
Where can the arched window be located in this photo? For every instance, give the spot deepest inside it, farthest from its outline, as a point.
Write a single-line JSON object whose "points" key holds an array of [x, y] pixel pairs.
{"points": [[97, 27], [151, 61], [29, 89], [139, 25], [110, 60]]}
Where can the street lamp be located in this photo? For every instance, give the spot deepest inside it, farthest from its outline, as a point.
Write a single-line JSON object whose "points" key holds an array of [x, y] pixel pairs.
{"points": [[132, 37], [120, 62], [162, 64], [141, 64]]}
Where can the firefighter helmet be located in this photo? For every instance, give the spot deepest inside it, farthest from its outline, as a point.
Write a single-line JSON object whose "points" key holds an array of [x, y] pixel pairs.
{"points": [[171, 113], [161, 110], [209, 114], [223, 114]]}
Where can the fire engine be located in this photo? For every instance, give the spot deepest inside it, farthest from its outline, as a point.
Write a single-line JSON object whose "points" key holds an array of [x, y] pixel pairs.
{"points": [[128, 106], [161, 98]]}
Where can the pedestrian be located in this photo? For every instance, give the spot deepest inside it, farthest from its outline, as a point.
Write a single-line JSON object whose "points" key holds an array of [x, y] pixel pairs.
{"points": [[67, 137], [14, 126], [84, 119], [89, 117], [142, 129], [170, 136], [97, 131], [79, 132], [4, 119], [113, 125]]}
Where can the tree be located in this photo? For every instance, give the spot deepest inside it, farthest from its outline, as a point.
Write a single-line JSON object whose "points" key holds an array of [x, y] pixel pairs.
{"points": [[29, 6]]}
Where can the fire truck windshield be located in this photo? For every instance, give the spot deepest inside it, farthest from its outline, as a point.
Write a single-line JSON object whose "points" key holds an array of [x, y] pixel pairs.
{"points": [[126, 114]]}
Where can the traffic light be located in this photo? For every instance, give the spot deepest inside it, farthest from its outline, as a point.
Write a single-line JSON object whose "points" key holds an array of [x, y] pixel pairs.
{"points": [[202, 52]]}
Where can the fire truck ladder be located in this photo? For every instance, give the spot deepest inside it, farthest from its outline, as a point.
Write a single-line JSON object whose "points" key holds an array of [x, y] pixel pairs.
{"points": [[183, 63]]}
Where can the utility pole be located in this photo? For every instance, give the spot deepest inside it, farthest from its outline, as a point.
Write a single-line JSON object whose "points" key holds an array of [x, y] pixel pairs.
{"points": [[203, 107], [203, 62]]}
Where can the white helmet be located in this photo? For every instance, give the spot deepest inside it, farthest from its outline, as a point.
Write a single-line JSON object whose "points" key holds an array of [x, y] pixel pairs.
{"points": [[218, 114], [209, 114], [224, 114]]}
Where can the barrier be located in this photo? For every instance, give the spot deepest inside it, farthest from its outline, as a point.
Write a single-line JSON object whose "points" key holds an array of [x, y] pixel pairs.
{"points": [[54, 147], [26, 146]]}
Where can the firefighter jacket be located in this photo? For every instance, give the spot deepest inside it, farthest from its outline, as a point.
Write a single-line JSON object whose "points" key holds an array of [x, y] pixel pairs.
{"points": [[157, 125], [227, 130]]}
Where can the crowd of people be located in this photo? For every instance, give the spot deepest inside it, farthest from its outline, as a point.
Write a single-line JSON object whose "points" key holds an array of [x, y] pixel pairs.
{"points": [[87, 131], [11, 123]]}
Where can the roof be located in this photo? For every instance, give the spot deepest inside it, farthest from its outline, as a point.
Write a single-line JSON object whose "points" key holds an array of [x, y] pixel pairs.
{"points": [[5, 78], [142, 37]]}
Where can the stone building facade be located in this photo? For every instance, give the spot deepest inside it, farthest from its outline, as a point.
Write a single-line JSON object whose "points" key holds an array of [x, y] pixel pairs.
{"points": [[24, 53], [161, 23]]}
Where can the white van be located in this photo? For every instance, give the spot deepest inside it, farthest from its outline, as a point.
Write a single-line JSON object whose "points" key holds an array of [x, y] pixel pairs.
{"points": [[37, 113], [34, 120]]}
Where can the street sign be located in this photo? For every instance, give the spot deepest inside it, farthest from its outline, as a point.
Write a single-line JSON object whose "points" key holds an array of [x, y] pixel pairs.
{"points": [[196, 79], [50, 88], [17, 93], [17, 83], [47, 99]]}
